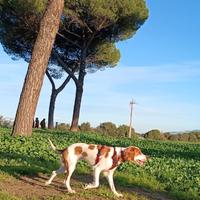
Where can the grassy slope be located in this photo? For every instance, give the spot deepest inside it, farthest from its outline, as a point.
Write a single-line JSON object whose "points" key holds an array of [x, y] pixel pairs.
{"points": [[174, 167]]}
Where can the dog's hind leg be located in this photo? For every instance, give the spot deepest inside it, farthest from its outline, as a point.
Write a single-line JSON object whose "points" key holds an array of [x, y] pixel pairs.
{"points": [[54, 174], [68, 177]]}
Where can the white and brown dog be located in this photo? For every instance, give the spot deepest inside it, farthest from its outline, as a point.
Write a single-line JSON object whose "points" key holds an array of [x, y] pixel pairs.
{"points": [[101, 158]]}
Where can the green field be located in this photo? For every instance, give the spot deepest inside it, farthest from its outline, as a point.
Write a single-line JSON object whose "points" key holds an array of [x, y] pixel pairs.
{"points": [[174, 168]]}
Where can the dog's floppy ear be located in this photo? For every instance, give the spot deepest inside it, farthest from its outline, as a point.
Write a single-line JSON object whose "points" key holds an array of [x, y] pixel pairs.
{"points": [[130, 153]]}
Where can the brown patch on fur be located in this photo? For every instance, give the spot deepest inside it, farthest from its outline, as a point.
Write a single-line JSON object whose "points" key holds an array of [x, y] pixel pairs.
{"points": [[130, 153], [78, 150], [105, 151], [84, 154], [102, 151], [99, 147], [115, 159], [121, 157], [91, 146]]}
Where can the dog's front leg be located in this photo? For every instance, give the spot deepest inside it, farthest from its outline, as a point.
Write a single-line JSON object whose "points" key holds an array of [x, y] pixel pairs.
{"points": [[109, 177], [95, 184]]}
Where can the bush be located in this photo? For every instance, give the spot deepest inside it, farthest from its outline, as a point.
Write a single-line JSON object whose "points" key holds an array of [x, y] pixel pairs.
{"points": [[174, 137], [123, 130], [63, 127], [5, 123], [197, 135], [154, 134], [192, 138], [107, 128], [166, 135], [85, 126], [183, 137]]}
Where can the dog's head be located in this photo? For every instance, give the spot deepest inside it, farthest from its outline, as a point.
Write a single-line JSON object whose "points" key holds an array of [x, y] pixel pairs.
{"points": [[135, 155]]}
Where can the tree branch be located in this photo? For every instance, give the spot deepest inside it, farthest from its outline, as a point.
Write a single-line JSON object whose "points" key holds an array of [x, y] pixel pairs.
{"points": [[72, 33], [74, 43], [102, 24], [66, 81], [65, 67], [50, 79]]}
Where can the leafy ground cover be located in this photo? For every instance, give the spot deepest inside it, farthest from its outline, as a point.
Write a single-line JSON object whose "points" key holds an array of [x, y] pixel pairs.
{"points": [[173, 168]]}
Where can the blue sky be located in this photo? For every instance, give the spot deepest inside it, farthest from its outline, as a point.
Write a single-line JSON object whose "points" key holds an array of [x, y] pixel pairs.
{"points": [[159, 69]]}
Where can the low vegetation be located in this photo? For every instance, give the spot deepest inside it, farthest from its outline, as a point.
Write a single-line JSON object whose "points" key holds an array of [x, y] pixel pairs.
{"points": [[6, 123], [173, 167], [111, 129], [187, 136]]}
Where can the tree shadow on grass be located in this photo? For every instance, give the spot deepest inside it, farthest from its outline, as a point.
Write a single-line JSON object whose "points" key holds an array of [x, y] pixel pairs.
{"points": [[18, 164]]}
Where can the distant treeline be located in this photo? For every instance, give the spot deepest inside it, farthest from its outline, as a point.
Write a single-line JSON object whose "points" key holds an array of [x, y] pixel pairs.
{"points": [[187, 136], [109, 128]]}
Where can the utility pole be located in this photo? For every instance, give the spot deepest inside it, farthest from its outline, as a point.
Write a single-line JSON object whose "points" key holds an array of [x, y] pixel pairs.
{"points": [[131, 116]]}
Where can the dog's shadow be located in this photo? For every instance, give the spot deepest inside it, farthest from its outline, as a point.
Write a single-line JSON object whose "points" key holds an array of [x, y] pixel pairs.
{"points": [[78, 181], [83, 179]]}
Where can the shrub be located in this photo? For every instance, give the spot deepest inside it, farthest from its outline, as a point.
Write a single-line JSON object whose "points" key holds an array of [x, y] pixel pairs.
{"points": [[192, 138], [85, 126], [123, 130], [5, 123], [197, 135], [107, 128], [154, 134], [183, 137], [63, 127], [166, 135], [174, 137]]}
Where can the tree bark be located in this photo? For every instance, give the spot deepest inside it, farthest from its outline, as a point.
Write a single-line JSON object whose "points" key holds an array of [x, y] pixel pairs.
{"points": [[36, 70], [79, 92]]}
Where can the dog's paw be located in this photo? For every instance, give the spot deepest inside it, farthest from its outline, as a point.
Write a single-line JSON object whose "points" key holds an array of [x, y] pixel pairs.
{"points": [[90, 185], [87, 187], [71, 191], [47, 183], [119, 195]]}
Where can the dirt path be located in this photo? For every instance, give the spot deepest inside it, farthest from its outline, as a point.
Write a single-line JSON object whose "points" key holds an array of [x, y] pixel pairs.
{"points": [[33, 188]]}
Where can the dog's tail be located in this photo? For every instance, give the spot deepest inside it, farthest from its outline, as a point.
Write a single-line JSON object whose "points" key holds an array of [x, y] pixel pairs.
{"points": [[54, 147]]}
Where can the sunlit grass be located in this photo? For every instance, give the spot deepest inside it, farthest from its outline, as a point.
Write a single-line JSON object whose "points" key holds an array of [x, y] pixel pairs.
{"points": [[173, 167]]}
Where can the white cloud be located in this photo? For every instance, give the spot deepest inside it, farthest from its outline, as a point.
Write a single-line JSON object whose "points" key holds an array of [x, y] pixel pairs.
{"points": [[162, 101]]}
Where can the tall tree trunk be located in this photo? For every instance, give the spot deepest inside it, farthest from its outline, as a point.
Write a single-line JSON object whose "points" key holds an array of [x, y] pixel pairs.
{"points": [[36, 70], [52, 109], [79, 92], [77, 106]]}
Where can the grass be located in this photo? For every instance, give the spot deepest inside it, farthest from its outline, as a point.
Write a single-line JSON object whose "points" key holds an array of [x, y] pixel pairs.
{"points": [[6, 196], [173, 167]]}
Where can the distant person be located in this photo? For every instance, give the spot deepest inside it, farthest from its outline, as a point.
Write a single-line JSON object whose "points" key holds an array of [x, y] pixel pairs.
{"points": [[37, 122], [43, 124]]}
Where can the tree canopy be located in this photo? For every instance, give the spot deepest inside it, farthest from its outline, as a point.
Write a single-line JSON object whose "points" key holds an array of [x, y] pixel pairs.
{"points": [[87, 34], [109, 21]]}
